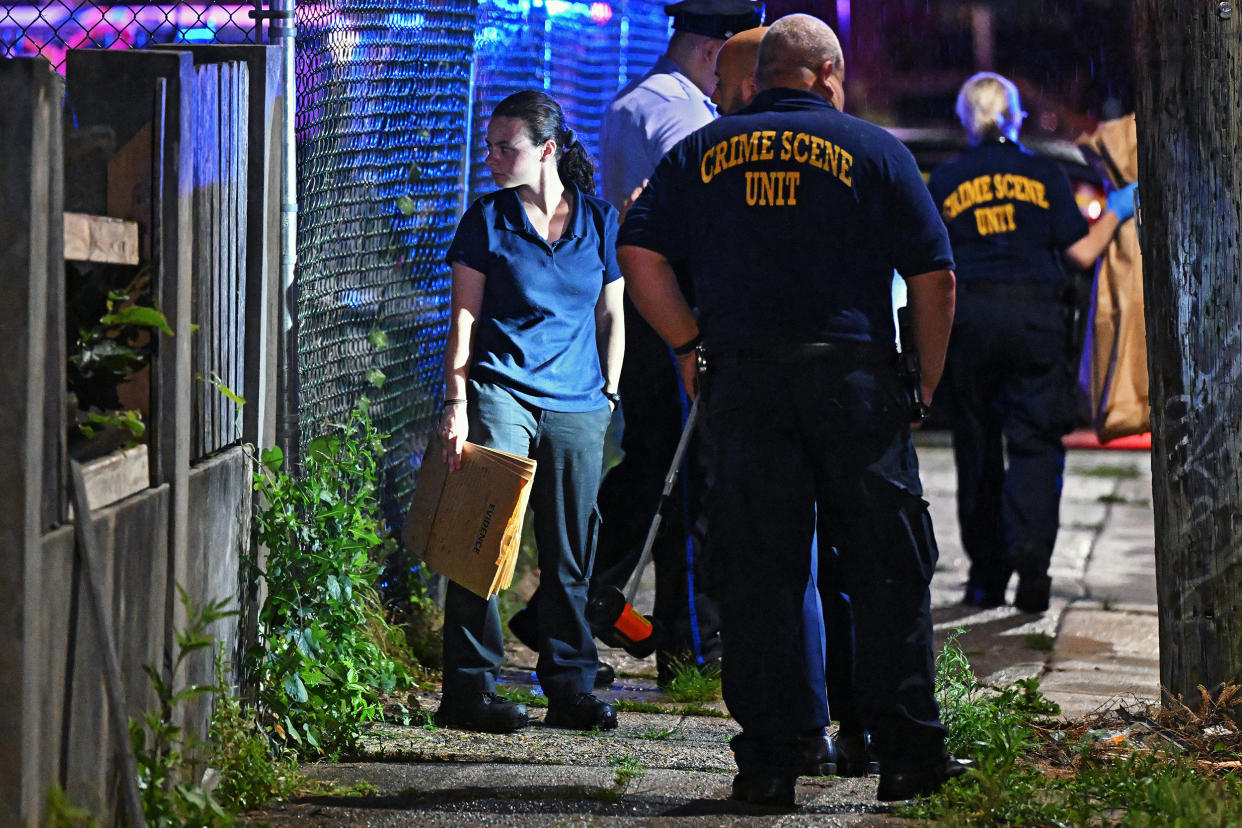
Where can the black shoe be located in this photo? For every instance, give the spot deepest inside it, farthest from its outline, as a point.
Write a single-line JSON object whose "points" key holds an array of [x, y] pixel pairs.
{"points": [[979, 597], [821, 758], [897, 785], [581, 712], [769, 790], [1033, 594], [486, 713], [604, 675], [854, 757]]}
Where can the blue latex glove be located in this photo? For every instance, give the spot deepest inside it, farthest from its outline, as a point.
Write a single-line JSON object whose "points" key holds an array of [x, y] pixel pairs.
{"points": [[1121, 202]]}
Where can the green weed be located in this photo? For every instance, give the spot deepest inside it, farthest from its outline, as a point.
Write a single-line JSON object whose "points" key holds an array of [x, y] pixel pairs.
{"points": [[700, 710], [1039, 641], [253, 771], [164, 752], [636, 706], [325, 651], [657, 735], [1097, 784], [1118, 472], [1122, 500], [61, 813], [525, 697], [693, 683]]}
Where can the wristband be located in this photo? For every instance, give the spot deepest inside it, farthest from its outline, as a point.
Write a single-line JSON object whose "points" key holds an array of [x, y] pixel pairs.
{"points": [[613, 397], [682, 350], [454, 401]]}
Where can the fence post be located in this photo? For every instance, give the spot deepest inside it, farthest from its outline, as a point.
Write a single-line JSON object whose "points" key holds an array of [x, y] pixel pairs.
{"points": [[31, 267], [283, 33]]}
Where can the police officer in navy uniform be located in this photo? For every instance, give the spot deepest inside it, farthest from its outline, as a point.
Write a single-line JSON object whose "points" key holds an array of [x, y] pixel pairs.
{"points": [[643, 121], [1010, 216], [825, 606], [792, 217]]}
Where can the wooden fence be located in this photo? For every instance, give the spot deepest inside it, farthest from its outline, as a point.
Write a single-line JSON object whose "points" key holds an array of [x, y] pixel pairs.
{"points": [[185, 143]]}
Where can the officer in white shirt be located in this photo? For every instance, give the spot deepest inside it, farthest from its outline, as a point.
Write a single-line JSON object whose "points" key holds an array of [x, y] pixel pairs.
{"points": [[672, 100]]}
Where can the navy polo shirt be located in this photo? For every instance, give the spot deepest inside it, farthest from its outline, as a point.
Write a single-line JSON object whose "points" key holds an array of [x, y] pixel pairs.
{"points": [[1010, 213], [792, 217], [536, 331]]}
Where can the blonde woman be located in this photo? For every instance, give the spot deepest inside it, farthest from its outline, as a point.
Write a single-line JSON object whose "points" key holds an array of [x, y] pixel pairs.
{"points": [[1011, 217]]}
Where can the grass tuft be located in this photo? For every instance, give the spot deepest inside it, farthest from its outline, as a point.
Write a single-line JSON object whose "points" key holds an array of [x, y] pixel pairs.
{"points": [[693, 683], [1039, 641], [1151, 767], [1117, 472]]}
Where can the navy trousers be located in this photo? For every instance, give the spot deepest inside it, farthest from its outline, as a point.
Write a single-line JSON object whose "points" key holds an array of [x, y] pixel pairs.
{"points": [[827, 608], [568, 448], [825, 445], [1010, 388]]}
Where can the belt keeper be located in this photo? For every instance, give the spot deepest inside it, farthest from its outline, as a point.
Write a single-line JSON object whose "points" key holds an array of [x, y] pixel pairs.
{"points": [[682, 350]]}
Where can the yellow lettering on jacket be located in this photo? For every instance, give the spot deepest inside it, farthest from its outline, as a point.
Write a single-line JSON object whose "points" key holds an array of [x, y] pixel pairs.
{"points": [[772, 189], [992, 220], [775, 188]]}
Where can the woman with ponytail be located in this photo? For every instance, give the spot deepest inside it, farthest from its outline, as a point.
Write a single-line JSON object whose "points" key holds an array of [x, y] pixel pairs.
{"points": [[531, 367]]}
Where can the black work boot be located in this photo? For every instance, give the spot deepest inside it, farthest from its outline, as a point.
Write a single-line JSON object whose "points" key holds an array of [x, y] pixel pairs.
{"points": [[769, 790], [1034, 586], [1034, 594], [821, 758], [581, 712], [485, 712], [854, 757], [907, 784]]}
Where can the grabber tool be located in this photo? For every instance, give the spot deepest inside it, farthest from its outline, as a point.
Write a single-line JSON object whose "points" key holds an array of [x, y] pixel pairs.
{"points": [[611, 612]]}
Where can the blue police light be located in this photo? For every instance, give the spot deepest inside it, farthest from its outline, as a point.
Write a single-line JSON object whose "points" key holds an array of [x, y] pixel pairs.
{"points": [[199, 34]]}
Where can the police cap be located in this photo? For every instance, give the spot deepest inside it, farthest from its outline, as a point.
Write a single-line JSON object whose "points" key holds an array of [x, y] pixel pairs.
{"points": [[721, 19]]}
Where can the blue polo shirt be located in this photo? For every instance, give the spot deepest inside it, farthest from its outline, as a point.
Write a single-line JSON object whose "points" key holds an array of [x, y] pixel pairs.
{"points": [[792, 217], [536, 332], [1010, 213]]}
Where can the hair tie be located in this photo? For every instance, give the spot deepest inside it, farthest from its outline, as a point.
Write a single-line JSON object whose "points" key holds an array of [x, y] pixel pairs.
{"points": [[570, 139]]}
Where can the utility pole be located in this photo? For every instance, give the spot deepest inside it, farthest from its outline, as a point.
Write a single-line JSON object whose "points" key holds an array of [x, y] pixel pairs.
{"points": [[1189, 85]]}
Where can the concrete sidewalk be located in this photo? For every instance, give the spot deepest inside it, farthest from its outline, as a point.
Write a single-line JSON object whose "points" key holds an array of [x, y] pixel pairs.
{"points": [[1096, 643], [1098, 640]]}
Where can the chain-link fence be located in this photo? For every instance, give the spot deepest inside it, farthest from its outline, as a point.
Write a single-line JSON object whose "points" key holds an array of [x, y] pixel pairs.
{"points": [[392, 101], [387, 160], [580, 53], [50, 29]]}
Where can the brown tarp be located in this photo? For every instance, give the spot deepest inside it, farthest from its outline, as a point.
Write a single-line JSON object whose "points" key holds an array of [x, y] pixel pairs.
{"points": [[1114, 360]]}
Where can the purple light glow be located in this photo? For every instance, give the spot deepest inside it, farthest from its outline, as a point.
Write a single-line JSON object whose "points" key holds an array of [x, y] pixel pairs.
{"points": [[51, 30]]}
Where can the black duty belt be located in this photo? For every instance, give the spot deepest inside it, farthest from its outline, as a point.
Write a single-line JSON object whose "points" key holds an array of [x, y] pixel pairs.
{"points": [[854, 353], [1011, 288]]}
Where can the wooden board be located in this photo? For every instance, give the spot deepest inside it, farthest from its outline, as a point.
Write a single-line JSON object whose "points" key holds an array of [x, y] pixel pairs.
{"points": [[30, 134], [100, 239], [258, 144]]}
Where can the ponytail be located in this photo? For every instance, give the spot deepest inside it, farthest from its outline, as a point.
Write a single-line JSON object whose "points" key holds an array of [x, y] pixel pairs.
{"points": [[575, 165]]}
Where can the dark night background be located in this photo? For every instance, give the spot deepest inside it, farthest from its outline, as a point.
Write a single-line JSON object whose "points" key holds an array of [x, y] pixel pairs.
{"points": [[905, 59]]}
